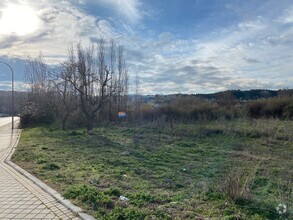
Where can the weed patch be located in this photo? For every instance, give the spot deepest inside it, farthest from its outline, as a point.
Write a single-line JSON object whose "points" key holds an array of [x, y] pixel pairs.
{"points": [[236, 169]]}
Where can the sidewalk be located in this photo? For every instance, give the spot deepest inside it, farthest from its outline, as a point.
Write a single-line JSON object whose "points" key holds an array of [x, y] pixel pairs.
{"points": [[20, 198]]}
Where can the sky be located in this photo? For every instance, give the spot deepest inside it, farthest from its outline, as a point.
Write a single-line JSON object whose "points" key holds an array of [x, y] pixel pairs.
{"points": [[174, 46]]}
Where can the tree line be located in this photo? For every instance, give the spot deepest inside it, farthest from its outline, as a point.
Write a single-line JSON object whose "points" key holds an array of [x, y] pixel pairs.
{"points": [[92, 82], [91, 86]]}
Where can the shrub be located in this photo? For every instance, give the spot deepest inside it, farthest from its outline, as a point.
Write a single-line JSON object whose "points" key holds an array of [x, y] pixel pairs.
{"points": [[128, 214], [89, 195], [281, 108], [133, 213], [83, 193], [141, 199], [51, 166], [235, 186], [113, 192], [35, 114]]}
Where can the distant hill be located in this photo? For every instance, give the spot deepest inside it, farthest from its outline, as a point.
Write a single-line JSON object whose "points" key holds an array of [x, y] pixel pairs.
{"points": [[247, 95], [236, 95], [20, 97], [5, 101]]}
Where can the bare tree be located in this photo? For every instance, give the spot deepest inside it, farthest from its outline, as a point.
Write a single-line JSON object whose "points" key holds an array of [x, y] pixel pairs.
{"points": [[37, 76], [122, 82], [137, 98], [65, 99], [112, 66], [92, 79], [225, 98]]}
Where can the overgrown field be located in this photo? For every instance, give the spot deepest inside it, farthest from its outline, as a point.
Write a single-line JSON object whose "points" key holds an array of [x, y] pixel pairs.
{"points": [[238, 169]]}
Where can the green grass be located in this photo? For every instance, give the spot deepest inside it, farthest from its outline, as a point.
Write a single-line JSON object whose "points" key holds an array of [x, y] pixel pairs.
{"points": [[222, 170]]}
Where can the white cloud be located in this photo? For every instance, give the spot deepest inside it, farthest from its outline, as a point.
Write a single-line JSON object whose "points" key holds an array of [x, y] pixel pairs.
{"points": [[18, 85], [130, 9], [253, 54], [287, 18], [61, 24]]}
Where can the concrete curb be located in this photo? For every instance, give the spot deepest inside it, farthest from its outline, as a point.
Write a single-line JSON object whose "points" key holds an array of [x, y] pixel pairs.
{"points": [[75, 209]]}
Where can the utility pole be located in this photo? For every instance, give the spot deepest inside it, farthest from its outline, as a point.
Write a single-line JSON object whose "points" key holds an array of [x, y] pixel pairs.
{"points": [[12, 91]]}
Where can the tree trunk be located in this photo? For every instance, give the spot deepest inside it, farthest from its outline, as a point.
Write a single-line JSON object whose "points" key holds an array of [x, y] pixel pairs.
{"points": [[64, 123], [90, 125]]}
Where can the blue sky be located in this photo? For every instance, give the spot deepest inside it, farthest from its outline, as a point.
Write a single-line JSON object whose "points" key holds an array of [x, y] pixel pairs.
{"points": [[175, 46]]}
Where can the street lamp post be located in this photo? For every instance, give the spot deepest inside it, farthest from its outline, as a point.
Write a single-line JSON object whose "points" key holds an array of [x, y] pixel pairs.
{"points": [[12, 91]]}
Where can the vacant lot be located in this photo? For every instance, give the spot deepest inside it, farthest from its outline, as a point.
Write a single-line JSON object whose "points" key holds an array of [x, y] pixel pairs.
{"points": [[223, 170]]}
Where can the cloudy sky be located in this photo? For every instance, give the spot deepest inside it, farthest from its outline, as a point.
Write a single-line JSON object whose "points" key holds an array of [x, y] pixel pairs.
{"points": [[175, 46]]}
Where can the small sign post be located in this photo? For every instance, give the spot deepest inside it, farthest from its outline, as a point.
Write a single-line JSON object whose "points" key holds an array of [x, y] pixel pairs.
{"points": [[122, 115]]}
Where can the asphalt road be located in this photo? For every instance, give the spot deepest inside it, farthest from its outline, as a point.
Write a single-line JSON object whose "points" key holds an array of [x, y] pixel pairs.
{"points": [[7, 120], [6, 134]]}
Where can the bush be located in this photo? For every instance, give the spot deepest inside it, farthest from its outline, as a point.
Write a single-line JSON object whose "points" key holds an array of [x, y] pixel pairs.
{"points": [[133, 213], [190, 109], [83, 193], [113, 192], [235, 186], [128, 214], [141, 199], [89, 195], [51, 166], [278, 107], [34, 114]]}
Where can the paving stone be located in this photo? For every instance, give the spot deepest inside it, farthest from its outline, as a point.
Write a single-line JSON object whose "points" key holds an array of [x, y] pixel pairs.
{"points": [[20, 216], [19, 197], [30, 216], [11, 215]]}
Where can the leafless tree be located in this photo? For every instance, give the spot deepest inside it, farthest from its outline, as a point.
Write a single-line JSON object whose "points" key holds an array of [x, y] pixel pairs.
{"points": [[93, 78], [90, 78], [225, 98], [112, 66], [119, 83], [65, 94], [37, 77], [123, 77], [36, 74], [137, 98]]}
